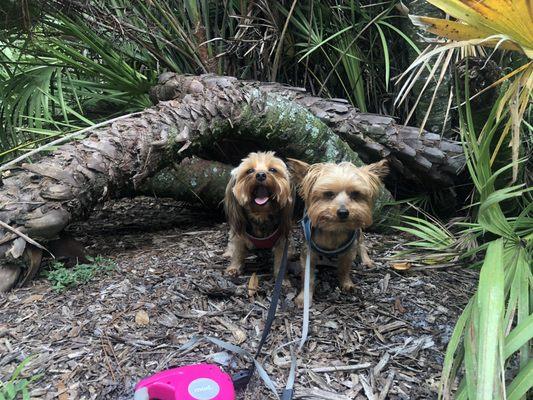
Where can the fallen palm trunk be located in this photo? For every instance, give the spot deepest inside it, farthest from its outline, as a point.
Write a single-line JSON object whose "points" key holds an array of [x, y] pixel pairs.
{"points": [[38, 200], [194, 180], [420, 159]]}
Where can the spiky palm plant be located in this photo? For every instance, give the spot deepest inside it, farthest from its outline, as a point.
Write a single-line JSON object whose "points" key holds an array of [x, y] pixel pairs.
{"points": [[489, 353], [497, 24]]}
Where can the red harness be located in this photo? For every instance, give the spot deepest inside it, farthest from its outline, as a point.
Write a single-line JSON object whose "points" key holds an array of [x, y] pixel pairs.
{"points": [[266, 242]]}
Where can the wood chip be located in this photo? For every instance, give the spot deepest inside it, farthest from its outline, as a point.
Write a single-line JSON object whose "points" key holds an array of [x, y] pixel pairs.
{"points": [[142, 318], [33, 298], [398, 306], [353, 367], [366, 387], [62, 393], [253, 285], [388, 383]]}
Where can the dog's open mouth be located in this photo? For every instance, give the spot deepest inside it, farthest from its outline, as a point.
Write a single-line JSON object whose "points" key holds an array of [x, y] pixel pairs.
{"points": [[261, 195]]}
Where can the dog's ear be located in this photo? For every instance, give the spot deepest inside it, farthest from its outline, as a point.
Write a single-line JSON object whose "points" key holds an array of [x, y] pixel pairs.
{"points": [[380, 169], [375, 173], [234, 211], [309, 180], [297, 169]]}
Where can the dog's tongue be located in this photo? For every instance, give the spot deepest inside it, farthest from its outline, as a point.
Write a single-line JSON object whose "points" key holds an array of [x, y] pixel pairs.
{"points": [[261, 196]]}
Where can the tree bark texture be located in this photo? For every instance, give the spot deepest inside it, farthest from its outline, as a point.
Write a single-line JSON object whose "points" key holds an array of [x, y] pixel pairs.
{"points": [[193, 180], [421, 160], [38, 200]]}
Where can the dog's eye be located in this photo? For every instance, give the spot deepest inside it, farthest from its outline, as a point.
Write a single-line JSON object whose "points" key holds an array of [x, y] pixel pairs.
{"points": [[329, 195], [273, 170], [355, 195], [250, 171]]}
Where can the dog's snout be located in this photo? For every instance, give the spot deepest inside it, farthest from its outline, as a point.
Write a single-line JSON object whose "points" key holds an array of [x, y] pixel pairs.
{"points": [[343, 213], [260, 176]]}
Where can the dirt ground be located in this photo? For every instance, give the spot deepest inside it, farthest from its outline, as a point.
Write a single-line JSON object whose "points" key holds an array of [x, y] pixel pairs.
{"points": [[97, 340]]}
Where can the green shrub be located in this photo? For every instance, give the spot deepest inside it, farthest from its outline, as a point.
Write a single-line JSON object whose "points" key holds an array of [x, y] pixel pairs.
{"points": [[17, 387], [62, 277]]}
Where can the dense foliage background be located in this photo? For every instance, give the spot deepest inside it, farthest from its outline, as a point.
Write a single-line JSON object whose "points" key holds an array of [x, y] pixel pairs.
{"points": [[71, 63]]}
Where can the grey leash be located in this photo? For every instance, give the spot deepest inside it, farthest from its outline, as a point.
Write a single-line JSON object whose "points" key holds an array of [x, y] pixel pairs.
{"points": [[289, 387]]}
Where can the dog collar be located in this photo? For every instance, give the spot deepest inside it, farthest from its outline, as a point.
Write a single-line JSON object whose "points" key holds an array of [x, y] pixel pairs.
{"points": [[266, 242], [331, 254]]}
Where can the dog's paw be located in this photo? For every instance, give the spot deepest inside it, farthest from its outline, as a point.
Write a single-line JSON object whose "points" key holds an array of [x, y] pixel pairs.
{"points": [[299, 300], [348, 286], [227, 254], [286, 284], [368, 264], [233, 271]]}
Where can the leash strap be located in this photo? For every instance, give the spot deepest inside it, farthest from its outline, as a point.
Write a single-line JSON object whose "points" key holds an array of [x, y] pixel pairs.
{"points": [[289, 387], [307, 300], [275, 298], [242, 379]]}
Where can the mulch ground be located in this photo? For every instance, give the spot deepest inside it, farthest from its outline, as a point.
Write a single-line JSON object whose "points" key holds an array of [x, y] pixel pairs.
{"points": [[97, 340]]}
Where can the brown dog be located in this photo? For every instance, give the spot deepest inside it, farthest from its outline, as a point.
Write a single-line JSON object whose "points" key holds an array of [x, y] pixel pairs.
{"points": [[259, 204], [339, 199]]}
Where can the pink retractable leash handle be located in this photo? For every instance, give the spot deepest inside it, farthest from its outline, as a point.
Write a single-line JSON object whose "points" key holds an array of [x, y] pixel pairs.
{"points": [[191, 382]]}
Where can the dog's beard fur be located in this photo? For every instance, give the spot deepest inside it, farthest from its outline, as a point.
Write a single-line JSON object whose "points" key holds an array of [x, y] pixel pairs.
{"points": [[244, 195]]}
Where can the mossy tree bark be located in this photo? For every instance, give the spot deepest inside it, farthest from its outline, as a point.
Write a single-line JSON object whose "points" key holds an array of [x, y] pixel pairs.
{"points": [[194, 116], [193, 180]]}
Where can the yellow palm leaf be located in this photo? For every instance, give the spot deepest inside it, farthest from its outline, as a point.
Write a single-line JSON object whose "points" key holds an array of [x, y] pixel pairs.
{"points": [[459, 31], [509, 19]]}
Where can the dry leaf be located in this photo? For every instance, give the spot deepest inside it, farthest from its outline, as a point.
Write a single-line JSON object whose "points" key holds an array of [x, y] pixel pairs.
{"points": [[142, 318], [398, 306], [33, 298], [253, 285], [62, 393], [403, 266], [238, 334]]}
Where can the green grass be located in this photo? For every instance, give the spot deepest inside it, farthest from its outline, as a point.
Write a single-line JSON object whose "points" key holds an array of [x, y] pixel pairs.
{"points": [[17, 387], [63, 278]]}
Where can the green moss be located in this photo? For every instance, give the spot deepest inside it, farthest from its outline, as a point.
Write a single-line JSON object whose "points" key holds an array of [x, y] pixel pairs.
{"points": [[292, 130]]}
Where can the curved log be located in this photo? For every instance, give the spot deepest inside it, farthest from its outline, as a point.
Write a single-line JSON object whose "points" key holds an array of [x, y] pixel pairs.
{"points": [[194, 180], [39, 199], [420, 159]]}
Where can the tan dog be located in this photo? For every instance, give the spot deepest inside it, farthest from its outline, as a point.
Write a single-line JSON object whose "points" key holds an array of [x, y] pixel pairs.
{"points": [[259, 205], [339, 199]]}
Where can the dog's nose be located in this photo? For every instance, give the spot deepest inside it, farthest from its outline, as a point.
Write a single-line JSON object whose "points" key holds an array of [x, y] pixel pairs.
{"points": [[260, 176], [343, 213]]}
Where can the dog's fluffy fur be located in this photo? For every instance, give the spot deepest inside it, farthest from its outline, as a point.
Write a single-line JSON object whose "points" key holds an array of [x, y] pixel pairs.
{"points": [[328, 188], [245, 214]]}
